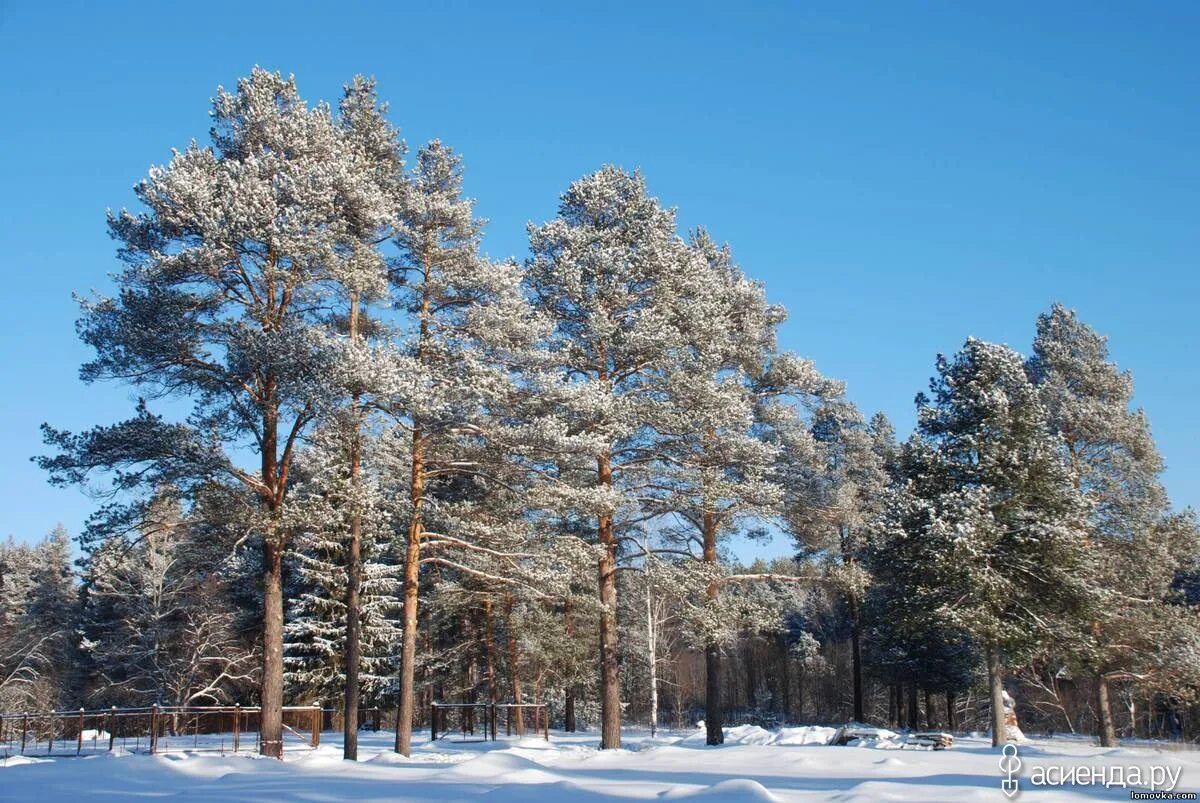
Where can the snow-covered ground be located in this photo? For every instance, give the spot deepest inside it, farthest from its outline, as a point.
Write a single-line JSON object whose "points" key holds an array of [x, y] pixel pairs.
{"points": [[755, 765]]}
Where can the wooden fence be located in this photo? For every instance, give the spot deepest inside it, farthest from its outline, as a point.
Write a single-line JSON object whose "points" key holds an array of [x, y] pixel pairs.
{"points": [[159, 729]]}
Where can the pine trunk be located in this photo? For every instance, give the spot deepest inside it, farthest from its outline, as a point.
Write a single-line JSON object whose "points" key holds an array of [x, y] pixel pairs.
{"points": [[271, 718], [1105, 729], [929, 720], [856, 663], [353, 637], [785, 681], [569, 724], [353, 579], [714, 732], [950, 703], [996, 684], [514, 665], [652, 658], [412, 566], [412, 556], [489, 640], [610, 677], [569, 706], [914, 714]]}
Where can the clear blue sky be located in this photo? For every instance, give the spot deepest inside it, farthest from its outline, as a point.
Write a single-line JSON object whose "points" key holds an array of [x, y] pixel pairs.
{"points": [[899, 175]]}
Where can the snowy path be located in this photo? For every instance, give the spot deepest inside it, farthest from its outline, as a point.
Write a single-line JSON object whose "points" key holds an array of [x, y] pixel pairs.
{"points": [[676, 767]]}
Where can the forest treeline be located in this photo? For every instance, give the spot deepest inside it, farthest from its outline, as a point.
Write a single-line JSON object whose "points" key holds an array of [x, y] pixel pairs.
{"points": [[371, 466]]}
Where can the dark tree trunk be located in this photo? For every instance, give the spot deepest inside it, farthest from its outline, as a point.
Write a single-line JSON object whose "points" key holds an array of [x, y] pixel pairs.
{"points": [[569, 712], [914, 715], [353, 634], [353, 578], [856, 663], [569, 724], [950, 703], [489, 642], [785, 680], [929, 718], [714, 734]]}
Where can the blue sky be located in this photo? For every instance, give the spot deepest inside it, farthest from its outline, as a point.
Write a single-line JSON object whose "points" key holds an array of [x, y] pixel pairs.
{"points": [[899, 175]]}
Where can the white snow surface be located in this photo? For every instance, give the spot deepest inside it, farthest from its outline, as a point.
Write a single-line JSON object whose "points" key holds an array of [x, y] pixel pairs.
{"points": [[792, 764]]}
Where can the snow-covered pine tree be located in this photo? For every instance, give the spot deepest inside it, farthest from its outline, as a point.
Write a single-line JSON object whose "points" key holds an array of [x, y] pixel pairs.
{"points": [[222, 305], [717, 471], [1138, 546], [613, 276], [466, 317], [845, 495], [376, 161], [1003, 537]]}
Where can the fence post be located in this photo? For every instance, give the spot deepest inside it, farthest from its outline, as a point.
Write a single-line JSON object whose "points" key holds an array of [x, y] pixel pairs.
{"points": [[546, 723], [237, 726], [375, 721], [24, 730], [493, 722], [112, 727], [433, 722], [316, 724], [79, 742], [153, 728]]}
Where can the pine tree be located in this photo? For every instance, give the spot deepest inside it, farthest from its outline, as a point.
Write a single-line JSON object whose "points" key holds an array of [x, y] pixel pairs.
{"points": [[1138, 547], [844, 497], [613, 276], [221, 305], [1002, 530], [466, 316], [376, 150], [718, 472]]}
